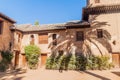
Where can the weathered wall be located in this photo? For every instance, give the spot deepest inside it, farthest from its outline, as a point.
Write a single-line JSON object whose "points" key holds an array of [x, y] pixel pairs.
{"points": [[7, 36]]}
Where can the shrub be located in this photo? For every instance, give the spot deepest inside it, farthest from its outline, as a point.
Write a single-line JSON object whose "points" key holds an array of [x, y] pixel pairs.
{"points": [[92, 62], [81, 62], [72, 63], [78, 62], [32, 53], [6, 60]]}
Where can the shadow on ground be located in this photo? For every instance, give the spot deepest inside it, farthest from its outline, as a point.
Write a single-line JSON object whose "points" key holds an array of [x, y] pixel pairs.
{"points": [[96, 75], [11, 75], [116, 73]]}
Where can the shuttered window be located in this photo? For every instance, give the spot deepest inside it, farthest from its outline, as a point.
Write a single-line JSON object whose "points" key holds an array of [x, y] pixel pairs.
{"points": [[80, 36], [54, 37], [99, 33], [43, 38]]}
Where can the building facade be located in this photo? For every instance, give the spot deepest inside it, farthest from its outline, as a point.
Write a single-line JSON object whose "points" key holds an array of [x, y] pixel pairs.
{"points": [[6, 35], [103, 16], [97, 33]]}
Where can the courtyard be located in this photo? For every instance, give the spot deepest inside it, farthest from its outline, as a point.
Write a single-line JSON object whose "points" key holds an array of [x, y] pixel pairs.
{"points": [[43, 74]]}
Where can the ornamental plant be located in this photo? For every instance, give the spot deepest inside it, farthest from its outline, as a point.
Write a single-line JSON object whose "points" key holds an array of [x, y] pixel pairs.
{"points": [[32, 53], [6, 60]]}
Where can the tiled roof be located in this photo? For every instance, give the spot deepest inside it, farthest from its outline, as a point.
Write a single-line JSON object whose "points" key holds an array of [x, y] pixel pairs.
{"points": [[6, 17], [29, 27]]}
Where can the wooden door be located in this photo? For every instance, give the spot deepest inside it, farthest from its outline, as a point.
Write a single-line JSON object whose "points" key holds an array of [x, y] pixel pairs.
{"points": [[24, 62], [17, 58], [116, 60], [43, 59]]}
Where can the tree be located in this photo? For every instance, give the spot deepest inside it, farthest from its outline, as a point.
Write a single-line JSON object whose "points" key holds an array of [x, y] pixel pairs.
{"points": [[36, 23]]}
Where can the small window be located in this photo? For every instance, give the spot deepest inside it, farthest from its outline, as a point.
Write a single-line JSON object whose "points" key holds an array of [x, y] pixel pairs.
{"points": [[10, 45], [18, 37], [60, 52], [80, 36], [1, 26], [99, 33], [54, 37], [97, 1]]}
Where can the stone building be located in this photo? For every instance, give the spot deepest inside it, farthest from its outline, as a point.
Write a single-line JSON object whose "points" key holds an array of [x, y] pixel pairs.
{"points": [[97, 33], [6, 34]]}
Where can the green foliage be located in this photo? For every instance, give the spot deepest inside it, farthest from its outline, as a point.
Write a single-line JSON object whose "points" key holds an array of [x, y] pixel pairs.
{"points": [[36, 23], [81, 62], [98, 62], [32, 53], [6, 60], [78, 62]]}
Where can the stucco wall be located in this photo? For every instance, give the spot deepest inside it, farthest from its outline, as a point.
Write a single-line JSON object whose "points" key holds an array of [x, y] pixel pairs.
{"points": [[110, 23]]}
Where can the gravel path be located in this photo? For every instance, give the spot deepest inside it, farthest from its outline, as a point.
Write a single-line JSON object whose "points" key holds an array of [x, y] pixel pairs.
{"points": [[42, 74]]}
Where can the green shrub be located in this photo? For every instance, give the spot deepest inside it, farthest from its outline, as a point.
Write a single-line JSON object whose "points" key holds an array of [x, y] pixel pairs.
{"points": [[6, 60], [78, 62], [92, 62], [103, 62], [81, 62], [32, 53], [72, 63]]}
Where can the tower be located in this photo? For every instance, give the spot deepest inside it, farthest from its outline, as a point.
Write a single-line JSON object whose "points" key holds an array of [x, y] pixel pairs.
{"points": [[102, 2]]}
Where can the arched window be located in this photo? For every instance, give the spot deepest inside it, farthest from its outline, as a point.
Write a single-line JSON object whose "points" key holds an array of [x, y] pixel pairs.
{"points": [[32, 39]]}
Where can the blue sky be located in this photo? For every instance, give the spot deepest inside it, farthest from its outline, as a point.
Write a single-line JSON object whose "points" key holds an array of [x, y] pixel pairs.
{"points": [[44, 11]]}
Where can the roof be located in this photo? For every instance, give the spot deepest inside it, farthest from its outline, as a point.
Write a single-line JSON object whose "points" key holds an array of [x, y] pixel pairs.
{"points": [[7, 18], [100, 9], [60, 26]]}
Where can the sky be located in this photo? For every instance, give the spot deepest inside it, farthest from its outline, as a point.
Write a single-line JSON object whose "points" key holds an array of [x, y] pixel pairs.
{"points": [[44, 11]]}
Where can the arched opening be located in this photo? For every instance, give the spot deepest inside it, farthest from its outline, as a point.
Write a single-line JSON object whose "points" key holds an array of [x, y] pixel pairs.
{"points": [[32, 39]]}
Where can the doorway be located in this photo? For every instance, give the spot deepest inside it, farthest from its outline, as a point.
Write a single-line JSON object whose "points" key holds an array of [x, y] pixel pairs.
{"points": [[116, 60]]}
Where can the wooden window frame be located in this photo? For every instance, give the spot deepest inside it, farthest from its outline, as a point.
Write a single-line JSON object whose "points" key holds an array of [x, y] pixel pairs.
{"points": [[54, 37], [80, 36], [99, 33], [43, 39]]}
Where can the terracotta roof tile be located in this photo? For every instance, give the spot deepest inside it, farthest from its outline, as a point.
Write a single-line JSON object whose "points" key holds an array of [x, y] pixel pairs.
{"points": [[29, 27]]}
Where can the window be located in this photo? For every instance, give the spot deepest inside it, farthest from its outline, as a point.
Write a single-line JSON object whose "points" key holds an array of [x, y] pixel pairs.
{"points": [[43, 38], [54, 37], [18, 37], [60, 52], [99, 33], [1, 26], [32, 39], [80, 36], [97, 1], [10, 45]]}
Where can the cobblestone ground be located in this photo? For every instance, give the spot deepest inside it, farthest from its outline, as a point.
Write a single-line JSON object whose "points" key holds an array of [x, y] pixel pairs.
{"points": [[42, 74]]}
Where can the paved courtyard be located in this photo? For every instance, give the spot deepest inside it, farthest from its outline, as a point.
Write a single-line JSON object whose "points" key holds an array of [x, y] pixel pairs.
{"points": [[42, 74]]}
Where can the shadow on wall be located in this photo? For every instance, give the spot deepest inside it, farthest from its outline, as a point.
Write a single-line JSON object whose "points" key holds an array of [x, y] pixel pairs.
{"points": [[66, 41]]}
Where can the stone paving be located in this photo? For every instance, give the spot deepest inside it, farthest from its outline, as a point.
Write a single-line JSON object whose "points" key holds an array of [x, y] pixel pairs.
{"points": [[42, 74]]}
